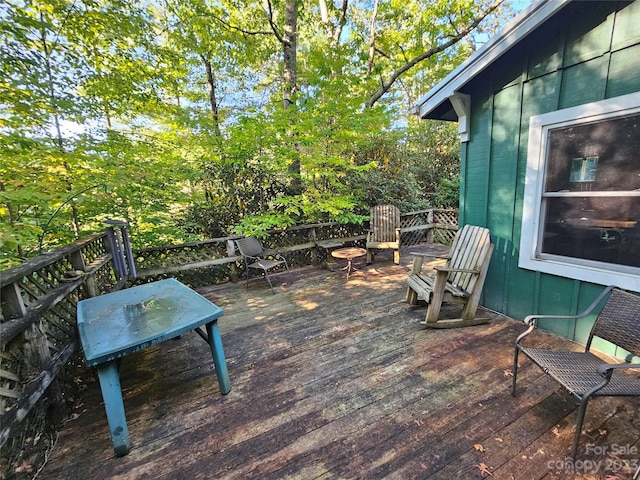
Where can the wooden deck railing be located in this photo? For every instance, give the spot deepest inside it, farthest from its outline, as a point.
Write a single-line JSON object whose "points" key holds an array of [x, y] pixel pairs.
{"points": [[39, 354], [302, 245]]}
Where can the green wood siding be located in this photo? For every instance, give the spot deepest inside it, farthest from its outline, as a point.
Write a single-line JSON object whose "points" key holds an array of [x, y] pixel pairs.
{"points": [[624, 74], [596, 56], [546, 59], [476, 168], [588, 35], [625, 30], [584, 83], [501, 183]]}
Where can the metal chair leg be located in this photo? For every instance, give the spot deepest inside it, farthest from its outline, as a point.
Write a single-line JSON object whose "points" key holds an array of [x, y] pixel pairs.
{"points": [[515, 371], [266, 275], [576, 439]]}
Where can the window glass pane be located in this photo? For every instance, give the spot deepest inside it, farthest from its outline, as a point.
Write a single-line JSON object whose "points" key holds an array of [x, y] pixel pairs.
{"points": [[599, 156], [605, 229]]}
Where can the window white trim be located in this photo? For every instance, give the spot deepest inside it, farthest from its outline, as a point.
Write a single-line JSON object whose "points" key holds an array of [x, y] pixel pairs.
{"points": [[530, 259]]}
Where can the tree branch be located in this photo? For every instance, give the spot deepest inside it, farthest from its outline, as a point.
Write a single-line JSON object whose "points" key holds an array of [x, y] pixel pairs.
{"points": [[238, 29], [386, 85], [274, 27], [341, 23]]}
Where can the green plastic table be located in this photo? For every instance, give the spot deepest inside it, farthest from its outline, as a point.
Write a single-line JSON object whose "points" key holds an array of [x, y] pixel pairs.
{"points": [[119, 323]]}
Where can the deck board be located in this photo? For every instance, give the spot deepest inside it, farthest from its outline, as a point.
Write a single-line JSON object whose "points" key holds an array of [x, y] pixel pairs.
{"points": [[335, 379]]}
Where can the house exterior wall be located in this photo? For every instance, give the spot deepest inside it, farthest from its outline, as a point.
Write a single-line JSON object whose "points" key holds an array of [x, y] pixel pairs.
{"points": [[576, 60]]}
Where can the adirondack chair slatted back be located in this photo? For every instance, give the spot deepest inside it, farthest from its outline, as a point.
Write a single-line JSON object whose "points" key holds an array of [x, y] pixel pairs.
{"points": [[619, 322], [469, 251], [383, 222]]}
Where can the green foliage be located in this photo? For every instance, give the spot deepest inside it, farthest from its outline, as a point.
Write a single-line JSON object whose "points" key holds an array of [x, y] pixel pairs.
{"points": [[447, 193], [176, 108]]}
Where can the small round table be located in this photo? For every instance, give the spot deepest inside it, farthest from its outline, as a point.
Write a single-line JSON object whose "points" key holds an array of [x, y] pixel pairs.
{"points": [[349, 254]]}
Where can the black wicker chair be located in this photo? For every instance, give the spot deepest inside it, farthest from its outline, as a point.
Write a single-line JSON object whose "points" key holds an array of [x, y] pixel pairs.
{"points": [[582, 373], [255, 257]]}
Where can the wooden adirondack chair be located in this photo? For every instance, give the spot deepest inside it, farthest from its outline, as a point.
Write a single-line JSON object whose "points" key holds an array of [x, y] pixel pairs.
{"points": [[384, 231], [460, 280]]}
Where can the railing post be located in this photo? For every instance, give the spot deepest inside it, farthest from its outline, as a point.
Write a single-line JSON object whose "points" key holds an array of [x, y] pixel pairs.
{"points": [[120, 248], [124, 232], [429, 232], [35, 350], [77, 260], [313, 237], [231, 252]]}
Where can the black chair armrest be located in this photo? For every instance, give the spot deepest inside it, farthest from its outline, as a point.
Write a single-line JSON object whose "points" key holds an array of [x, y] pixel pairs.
{"points": [[606, 370], [532, 320]]}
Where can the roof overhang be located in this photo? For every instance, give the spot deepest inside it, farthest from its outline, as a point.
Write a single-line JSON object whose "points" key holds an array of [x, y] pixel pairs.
{"points": [[437, 103]]}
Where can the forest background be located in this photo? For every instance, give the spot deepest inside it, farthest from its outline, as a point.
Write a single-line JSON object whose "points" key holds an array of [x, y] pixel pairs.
{"points": [[194, 119]]}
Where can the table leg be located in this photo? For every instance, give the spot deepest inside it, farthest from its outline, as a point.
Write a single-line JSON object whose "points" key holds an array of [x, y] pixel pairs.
{"points": [[219, 362], [350, 268], [113, 404]]}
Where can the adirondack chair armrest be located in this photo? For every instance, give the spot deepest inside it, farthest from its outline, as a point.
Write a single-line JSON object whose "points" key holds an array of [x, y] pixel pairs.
{"points": [[418, 259], [428, 255], [456, 270]]}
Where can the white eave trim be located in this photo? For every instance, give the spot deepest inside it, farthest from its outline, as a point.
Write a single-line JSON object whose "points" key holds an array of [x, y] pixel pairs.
{"points": [[527, 21]]}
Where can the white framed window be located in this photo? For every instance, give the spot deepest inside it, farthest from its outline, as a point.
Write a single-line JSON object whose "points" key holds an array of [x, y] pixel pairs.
{"points": [[581, 213]]}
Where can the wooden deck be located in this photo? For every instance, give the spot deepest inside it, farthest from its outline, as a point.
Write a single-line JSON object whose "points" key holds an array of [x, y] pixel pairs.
{"points": [[335, 379]]}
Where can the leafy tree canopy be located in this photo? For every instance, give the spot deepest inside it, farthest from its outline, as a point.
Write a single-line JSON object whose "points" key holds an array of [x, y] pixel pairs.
{"points": [[193, 119]]}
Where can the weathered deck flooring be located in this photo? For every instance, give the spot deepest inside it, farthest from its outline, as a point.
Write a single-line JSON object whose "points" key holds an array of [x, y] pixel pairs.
{"points": [[335, 379]]}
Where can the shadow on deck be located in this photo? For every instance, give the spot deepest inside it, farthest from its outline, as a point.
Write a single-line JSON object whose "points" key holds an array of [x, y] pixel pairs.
{"points": [[336, 379]]}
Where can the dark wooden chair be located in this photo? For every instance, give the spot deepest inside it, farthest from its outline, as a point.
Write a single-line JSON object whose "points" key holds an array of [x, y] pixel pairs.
{"points": [[384, 231], [460, 280], [255, 258], [584, 374]]}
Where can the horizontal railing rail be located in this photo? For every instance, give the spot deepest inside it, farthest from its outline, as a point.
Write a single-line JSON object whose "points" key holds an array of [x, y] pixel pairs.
{"points": [[302, 245]]}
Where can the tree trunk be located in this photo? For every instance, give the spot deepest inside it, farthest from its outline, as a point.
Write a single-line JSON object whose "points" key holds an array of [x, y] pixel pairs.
{"points": [[290, 44], [211, 82], [372, 37], [290, 77], [324, 14], [56, 120]]}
